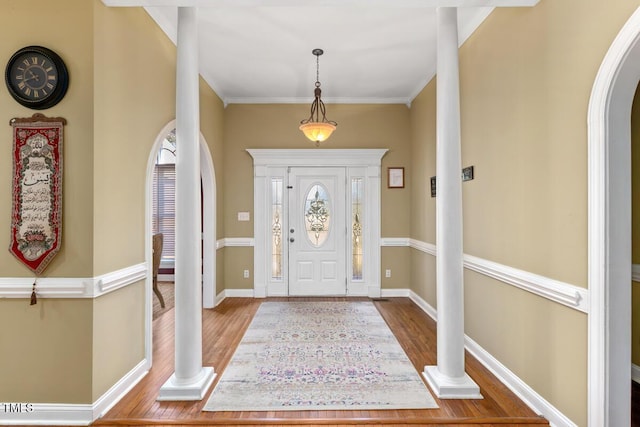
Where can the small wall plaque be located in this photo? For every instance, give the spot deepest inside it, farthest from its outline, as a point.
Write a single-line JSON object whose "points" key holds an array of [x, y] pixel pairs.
{"points": [[395, 177], [467, 173]]}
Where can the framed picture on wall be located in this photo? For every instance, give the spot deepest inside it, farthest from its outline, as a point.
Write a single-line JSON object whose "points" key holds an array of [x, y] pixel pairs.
{"points": [[395, 177]]}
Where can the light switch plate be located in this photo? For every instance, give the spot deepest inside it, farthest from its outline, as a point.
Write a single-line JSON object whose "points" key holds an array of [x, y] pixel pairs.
{"points": [[243, 216]]}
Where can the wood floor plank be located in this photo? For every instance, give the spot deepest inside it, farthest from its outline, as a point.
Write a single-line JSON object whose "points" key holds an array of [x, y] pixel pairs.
{"points": [[223, 328]]}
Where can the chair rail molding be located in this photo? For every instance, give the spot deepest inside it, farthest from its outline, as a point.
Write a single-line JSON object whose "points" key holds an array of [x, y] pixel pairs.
{"points": [[72, 287], [235, 241], [569, 295]]}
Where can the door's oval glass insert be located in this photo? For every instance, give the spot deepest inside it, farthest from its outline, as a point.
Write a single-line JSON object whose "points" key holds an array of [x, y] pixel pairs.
{"points": [[317, 214]]}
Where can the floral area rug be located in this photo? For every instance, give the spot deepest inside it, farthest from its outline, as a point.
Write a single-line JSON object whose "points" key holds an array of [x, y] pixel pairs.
{"points": [[319, 356]]}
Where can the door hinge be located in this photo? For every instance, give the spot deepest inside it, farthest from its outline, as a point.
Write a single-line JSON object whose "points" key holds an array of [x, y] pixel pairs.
{"points": [[290, 187]]}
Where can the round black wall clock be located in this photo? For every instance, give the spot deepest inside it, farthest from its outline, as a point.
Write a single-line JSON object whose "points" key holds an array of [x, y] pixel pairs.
{"points": [[36, 77]]}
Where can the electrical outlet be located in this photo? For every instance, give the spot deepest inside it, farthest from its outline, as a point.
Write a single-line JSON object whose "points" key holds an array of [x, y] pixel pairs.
{"points": [[246, 274], [387, 272]]}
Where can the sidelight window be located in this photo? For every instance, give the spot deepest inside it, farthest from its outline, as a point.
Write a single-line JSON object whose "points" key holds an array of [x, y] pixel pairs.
{"points": [[276, 228], [357, 190]]}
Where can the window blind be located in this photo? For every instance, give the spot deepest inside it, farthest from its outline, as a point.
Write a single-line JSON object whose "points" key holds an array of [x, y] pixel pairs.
{"points": [[164, 207]]}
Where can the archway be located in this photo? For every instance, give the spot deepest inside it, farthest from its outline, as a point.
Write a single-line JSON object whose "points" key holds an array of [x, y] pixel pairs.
{"points": [[209, 228], [609, 226]]}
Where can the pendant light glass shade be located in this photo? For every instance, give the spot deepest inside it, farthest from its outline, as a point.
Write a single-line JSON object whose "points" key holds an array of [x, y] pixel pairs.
{"points": [[317, 131]]}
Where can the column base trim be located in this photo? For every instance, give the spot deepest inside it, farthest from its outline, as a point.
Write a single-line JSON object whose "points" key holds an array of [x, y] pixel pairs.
{"points": [[172, 390], [451, 388]]}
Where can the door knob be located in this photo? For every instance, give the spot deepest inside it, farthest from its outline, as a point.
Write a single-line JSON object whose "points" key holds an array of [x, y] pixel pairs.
{"points": [[292, 230], [291, 239]]}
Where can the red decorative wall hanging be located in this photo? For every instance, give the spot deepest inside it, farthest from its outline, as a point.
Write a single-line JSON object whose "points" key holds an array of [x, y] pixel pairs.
{"points": [[36, 215]]}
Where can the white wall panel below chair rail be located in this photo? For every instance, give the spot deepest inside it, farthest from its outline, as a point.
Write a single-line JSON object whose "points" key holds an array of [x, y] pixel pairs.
{"points": [[572, 296]]}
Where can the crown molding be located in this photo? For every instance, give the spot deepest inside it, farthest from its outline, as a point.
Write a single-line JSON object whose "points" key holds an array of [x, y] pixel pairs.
{"points": [[308, 99]]}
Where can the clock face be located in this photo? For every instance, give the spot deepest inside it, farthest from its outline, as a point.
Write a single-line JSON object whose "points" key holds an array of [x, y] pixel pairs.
{"points": [[36, 77]]}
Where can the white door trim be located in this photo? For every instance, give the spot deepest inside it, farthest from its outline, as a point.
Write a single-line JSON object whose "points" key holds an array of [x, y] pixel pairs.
{"points": [[609, 224], [266, 160]]}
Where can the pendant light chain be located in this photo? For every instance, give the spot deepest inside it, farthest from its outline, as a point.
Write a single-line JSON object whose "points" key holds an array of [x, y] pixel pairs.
{"points": [[317, 70]]}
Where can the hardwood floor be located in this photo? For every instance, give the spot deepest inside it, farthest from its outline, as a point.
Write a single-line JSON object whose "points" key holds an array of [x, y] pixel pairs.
{"points": [[223, 328]]}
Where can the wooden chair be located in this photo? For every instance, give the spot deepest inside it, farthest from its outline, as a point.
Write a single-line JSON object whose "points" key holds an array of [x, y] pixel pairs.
{"points": [[157, 255]]}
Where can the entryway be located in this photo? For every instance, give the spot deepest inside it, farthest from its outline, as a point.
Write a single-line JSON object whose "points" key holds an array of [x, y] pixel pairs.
{"points": [[317, 222]]}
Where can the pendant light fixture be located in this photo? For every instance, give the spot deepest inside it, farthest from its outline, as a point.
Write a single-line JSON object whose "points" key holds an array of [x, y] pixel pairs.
{"points": [[317, 128]]}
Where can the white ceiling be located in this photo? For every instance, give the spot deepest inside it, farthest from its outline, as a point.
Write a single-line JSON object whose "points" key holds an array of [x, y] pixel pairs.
{"points": [[379, 54]]}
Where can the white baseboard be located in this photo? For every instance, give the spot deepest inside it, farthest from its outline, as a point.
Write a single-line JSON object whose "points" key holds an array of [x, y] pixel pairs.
{"points": [[519, 387], [119, 389], [48, 414], [528, 395], [394, 293], [73, 414], [234, 293]]}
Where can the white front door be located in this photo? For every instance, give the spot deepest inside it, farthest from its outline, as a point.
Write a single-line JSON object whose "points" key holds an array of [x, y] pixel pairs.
{"points": [[317, 231]]}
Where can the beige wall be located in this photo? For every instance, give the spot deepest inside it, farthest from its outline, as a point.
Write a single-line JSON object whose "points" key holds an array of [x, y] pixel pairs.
{"points": [[113, 121], [128, 42], [47, 348], [524, 113], [129, 114], [56, 29], [118, 336], [398, 260], [423, 164], [130, 111], [526, 77], [212, 128], [359, 126]]}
